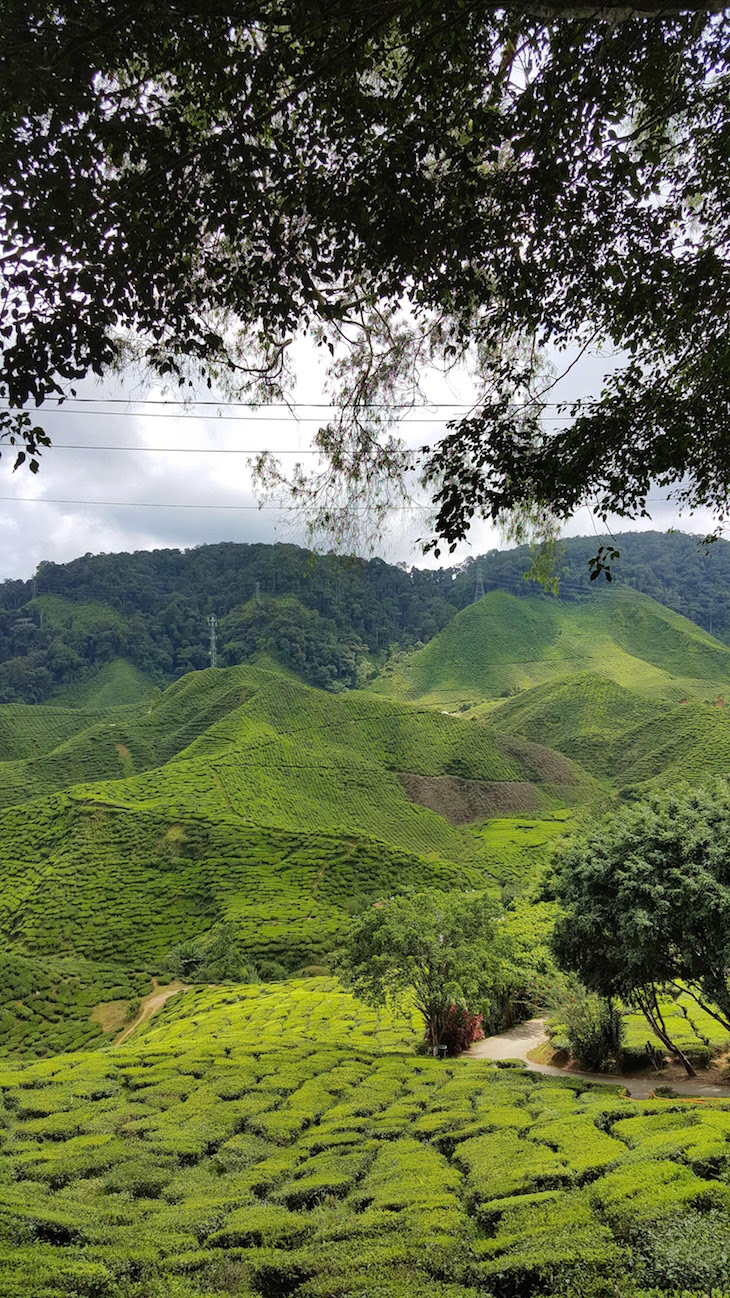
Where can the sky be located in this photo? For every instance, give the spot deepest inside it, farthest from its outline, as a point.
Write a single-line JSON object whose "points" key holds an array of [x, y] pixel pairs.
{"points": [[180, 478]]}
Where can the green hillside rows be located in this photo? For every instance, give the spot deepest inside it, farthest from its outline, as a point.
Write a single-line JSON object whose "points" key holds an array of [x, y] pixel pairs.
{"points": [[283, 817], [286, 1141], [28, 732], [94, 899], [504, 644], [296, 758], [617, 734], [275, 752], [117, 742], [116, 684]]}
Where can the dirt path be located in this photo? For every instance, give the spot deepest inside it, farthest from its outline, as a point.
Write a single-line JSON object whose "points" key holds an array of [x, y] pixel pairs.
{"points": [[149, 1006], [519, 1041]]}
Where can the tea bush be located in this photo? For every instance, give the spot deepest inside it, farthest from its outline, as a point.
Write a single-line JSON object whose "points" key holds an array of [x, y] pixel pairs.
{"points": [[285, 1139]]}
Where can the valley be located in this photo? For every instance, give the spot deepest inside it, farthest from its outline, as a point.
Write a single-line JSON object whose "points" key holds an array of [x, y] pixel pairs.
{"points": [[265, 1132]]}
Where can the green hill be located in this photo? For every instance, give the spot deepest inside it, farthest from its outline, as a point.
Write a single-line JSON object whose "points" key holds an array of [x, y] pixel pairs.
{"points": [[692, 743], [580, 716], [238, 796], [279, 1138], [117, 684], [504, 644], [242, 797], [620, 736]]}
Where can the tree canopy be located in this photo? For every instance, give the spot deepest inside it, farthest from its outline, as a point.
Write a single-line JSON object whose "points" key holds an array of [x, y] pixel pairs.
{"points": [[189, 187], [438, 948], [646, 903]]}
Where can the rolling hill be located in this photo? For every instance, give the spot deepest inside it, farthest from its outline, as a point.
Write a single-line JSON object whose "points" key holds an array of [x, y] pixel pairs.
{"points": [[279, 1138], [503, 645], [237, 797], [132, 820]]}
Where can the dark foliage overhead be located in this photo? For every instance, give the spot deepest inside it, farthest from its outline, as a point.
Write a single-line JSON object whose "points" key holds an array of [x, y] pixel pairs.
{"points": [[190, 186]]}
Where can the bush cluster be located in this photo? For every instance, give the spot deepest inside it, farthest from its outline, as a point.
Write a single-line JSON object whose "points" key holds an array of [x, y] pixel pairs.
{"points": [[286, 1140]]}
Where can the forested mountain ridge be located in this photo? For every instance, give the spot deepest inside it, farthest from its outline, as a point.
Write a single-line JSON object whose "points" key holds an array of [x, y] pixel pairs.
{"points": [[323, 616]]}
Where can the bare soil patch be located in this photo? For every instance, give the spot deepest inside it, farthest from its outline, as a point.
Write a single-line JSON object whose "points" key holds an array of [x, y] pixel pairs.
{"points": [[462, 801], [110, 1015]]}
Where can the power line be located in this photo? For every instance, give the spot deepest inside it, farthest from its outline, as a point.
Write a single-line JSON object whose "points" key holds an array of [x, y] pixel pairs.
{"points": [[131, 504], [153, 504], [188, 450], [165, 504], [234, 419], [63, 402]]}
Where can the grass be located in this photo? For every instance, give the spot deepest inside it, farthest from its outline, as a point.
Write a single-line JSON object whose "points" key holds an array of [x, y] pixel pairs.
{"points": [[518, 847], [285, 1140]]}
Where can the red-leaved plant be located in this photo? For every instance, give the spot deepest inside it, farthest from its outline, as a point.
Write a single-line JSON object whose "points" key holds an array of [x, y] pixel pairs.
{"points": [[461, 1030]]}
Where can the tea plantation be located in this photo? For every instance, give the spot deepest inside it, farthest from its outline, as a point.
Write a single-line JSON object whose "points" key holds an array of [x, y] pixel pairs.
{"points": [[237, 797], [504, 644], [271, 1141], [278, 1138]]}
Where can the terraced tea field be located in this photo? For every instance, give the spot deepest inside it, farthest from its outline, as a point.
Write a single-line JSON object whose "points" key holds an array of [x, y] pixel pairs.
{"points": [[503, 645], [239, 797], [282, 1140], [287, 1141]]}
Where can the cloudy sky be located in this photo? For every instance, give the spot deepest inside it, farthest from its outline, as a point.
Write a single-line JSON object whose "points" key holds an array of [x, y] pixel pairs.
{"points": [[125, 474]]}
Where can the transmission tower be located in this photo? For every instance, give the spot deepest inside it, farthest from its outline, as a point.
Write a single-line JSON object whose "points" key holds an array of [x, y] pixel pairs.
{"points": [[213, 652], [479, 589]]}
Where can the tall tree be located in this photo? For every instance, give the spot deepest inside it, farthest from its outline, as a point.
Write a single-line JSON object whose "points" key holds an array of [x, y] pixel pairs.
{"points": [[646, 904], [190, 186], [436, 949]]}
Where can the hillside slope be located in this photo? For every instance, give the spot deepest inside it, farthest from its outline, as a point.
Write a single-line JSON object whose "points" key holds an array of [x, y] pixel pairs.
{"points": [[504, 644], [238, 797]]}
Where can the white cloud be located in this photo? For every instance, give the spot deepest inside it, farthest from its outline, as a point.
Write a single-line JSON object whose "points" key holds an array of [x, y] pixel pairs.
{"points": [[210, 473]]}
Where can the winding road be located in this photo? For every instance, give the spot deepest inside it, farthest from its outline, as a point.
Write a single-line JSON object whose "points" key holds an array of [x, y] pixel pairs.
{"points": [[519, 1041]]}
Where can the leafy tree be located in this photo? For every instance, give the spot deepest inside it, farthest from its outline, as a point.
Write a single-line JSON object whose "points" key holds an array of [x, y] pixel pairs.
{"points": [[215, 957], [187, 187], [439, 948], [298, 637], [646, 904]]}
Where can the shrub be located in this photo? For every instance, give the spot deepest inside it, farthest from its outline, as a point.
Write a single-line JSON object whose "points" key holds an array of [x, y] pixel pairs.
{"points": [[460, 1030], [690, 1250], [593, 1026], [271, 971]]}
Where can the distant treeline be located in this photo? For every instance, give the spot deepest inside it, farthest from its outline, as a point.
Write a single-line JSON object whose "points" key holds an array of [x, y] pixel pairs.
{"points": [[324, 616]]}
